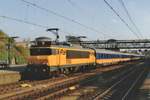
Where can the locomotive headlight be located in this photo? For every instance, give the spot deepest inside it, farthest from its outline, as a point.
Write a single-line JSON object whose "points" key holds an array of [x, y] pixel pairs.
{"points": [[44, 70]]}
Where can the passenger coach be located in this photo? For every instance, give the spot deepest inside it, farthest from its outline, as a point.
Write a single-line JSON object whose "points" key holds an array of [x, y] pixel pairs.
{"points": [[105, 57]]}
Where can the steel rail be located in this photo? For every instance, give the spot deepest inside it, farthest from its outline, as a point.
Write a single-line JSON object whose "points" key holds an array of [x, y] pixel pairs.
{"points": [[101, 95]]}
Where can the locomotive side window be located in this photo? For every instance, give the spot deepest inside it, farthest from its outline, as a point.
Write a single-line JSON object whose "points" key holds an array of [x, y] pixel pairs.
{"points": [[42, 51], [77, 54]]}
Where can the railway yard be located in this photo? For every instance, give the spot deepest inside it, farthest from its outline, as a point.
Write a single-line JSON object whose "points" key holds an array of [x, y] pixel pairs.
{"points": [[59, 72], [107, 83], [74, 50]]}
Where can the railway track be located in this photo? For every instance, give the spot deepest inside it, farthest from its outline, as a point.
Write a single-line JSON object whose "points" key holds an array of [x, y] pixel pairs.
{"points": [[61, 91], [46, 89], [112, 77], [65, 90], [123, 87], [23, 84]]}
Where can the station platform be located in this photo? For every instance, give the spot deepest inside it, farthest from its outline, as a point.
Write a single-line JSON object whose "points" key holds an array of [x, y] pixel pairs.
{"points": [[18, 68], [7, 77]]}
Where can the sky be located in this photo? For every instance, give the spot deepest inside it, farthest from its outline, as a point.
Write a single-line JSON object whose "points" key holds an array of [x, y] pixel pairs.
{"points": [[92, 13]]}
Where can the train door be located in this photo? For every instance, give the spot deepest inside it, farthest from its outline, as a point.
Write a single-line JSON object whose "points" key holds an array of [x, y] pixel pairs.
{"points": [[57, 57], [62, 57]]}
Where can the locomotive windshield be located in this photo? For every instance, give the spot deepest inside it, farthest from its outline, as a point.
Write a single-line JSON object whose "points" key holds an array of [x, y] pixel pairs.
{"points": [[40, 51]]}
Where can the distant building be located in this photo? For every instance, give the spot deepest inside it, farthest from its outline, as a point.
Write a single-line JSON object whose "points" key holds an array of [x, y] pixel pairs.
{"points": [[24, 44]]}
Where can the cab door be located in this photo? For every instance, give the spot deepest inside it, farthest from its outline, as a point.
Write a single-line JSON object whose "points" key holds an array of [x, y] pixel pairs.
{"points": [[57, 57], [62, 57], [53, 58]]}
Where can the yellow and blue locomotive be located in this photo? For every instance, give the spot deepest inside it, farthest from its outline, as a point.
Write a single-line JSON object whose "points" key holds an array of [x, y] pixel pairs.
{"points": [[46, 59]]}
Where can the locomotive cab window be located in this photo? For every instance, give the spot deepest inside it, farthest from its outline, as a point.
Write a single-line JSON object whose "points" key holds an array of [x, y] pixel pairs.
{"points": [[42, 51]]}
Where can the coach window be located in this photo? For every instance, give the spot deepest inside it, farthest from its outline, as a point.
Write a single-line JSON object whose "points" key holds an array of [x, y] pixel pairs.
{"points": [[110, 56], [97, 56], [107, 56], [116, 56], [100, 56], [113, 56], [120, 56], [103, 56], [123, 56]]}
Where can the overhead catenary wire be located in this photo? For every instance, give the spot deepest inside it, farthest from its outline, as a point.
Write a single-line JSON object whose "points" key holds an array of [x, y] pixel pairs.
{"points": [[29, 23], [91, 15], [75, 5], [126, 24], [72, 3], [64, 17], [23, 21], [130, 18]]}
